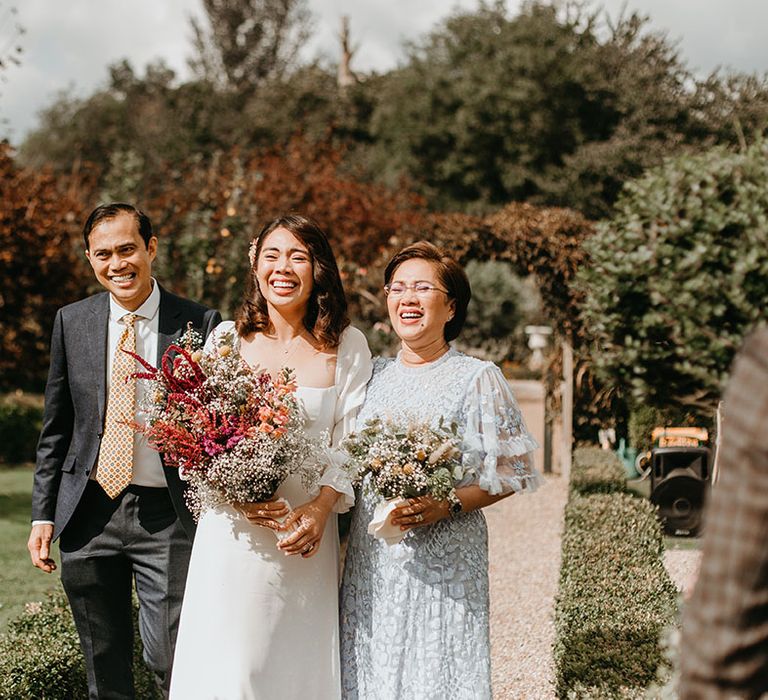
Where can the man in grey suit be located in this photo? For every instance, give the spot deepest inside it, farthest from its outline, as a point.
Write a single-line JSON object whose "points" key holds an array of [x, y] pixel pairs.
{"points": [[119, 513]]}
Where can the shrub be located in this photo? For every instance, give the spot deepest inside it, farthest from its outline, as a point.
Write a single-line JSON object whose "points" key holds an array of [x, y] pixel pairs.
{"points": [[547, 242], [679, 276], [21, 417], [40, 656], [502, 304], [643, 419], [41, 263], [615, 597], [208, 212], [596, 471]]}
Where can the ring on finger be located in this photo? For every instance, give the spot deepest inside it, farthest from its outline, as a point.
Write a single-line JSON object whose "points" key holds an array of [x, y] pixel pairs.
{"points": [[418, 517], [308, 549]]}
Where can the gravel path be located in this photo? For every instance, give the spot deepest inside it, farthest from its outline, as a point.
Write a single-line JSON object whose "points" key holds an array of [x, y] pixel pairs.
{"points": [[524, 567], [683, 567]]}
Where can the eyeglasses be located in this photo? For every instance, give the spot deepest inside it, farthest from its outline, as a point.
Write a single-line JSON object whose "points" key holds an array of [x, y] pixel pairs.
{"points": [[420, 289]]}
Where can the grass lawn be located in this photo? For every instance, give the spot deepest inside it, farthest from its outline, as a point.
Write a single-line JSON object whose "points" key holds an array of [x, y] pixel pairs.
{"points": [[20, 582]]}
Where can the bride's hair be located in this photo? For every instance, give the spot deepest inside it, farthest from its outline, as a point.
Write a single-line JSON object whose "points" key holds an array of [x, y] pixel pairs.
{"points": [[326, 315]]}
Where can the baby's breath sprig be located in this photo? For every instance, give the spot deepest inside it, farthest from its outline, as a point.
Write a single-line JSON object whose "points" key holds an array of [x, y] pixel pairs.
{"points": [[406, 460]]}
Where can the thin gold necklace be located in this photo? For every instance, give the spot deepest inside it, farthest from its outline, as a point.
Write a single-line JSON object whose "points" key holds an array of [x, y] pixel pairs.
{"points": [[290, 347]]}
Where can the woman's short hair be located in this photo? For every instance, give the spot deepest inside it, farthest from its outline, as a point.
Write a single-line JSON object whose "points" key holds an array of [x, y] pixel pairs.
{"points": [[451, 276], [326, 315]]}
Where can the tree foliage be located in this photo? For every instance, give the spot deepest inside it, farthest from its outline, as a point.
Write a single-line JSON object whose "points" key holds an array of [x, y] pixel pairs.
{"points": [[679, 276], [144, 115], [555, 105], [548, 243], [550, 106], [208, 212], [143, 123], [246, 42], [485, 104], [249, 90], [41, 264], [502, 304]]}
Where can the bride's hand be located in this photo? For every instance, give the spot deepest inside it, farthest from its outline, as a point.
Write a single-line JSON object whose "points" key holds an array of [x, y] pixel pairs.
{"points": [[309, 520], [265, 512]]}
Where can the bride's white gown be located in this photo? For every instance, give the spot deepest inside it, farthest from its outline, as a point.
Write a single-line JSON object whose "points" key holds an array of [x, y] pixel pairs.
{"points": [[256, 623]]}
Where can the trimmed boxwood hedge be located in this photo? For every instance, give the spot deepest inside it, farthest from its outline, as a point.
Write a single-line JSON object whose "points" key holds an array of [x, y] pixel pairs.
{"points": [[40, 656], [615, 596], [594, 470]]}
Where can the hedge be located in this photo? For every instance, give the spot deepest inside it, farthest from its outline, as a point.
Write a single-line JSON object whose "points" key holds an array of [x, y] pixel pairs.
{"points": [[21, 417], [594, 470], [615, 596], [40, 656]]}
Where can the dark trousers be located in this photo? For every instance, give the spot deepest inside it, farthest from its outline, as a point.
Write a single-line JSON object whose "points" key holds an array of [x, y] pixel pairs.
{"points": [[107, 546]]}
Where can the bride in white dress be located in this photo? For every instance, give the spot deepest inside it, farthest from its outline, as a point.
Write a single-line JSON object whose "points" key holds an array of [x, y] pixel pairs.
{"points": [[260, 620]]}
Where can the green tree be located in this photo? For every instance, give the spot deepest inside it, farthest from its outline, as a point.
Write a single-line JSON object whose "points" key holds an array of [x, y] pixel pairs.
{"points": [[247, 42], [679, 275], [148, 115], [484, 104], [136, 125], [552, 106]]}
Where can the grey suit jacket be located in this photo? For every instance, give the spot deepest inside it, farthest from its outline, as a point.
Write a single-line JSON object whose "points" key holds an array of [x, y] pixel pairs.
{"points": [[75, 402]]}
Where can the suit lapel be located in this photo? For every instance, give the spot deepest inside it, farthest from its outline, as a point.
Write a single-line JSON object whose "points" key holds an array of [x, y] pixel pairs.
{"points": [[169, 323], [97, 327]]}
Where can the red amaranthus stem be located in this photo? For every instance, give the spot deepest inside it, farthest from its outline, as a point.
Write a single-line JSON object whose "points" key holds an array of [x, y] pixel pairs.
{"points": [[180, 384]]}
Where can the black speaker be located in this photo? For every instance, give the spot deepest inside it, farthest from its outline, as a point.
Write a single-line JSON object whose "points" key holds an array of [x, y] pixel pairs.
{"points": [[679, 480]]}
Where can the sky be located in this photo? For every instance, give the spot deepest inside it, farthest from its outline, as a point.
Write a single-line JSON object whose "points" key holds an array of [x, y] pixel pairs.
{"points": [[68, 45]]}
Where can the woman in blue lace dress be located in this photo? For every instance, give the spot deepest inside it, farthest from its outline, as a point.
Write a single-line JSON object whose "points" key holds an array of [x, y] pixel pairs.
{"points": [[414, 615]]}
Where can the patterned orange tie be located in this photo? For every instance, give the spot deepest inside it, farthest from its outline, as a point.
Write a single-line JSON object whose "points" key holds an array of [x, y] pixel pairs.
{"points": [[116, 454]]}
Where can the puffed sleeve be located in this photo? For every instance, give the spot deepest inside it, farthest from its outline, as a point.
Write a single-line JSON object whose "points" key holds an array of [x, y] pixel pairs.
{"points": [[353, 370], [497, 451], [215, 335]]}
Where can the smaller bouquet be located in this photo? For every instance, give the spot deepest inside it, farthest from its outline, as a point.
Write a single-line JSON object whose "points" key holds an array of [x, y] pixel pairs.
{"points": [[403, 461], [234, 434]]}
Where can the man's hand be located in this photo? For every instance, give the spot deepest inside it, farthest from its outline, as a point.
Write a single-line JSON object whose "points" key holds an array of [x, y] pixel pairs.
{"points": [[39, 547]]}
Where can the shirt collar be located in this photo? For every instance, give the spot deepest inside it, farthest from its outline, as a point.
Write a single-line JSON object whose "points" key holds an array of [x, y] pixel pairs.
{"points": [[147, 310]]}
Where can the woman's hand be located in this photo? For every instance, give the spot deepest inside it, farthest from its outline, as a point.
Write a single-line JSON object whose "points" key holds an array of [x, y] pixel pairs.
{"points": [[415, 512], [309, 521], [265, 513]]}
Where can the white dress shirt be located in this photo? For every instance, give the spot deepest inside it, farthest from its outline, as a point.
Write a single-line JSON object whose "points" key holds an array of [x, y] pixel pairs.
{"points": [[147, 467]]}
